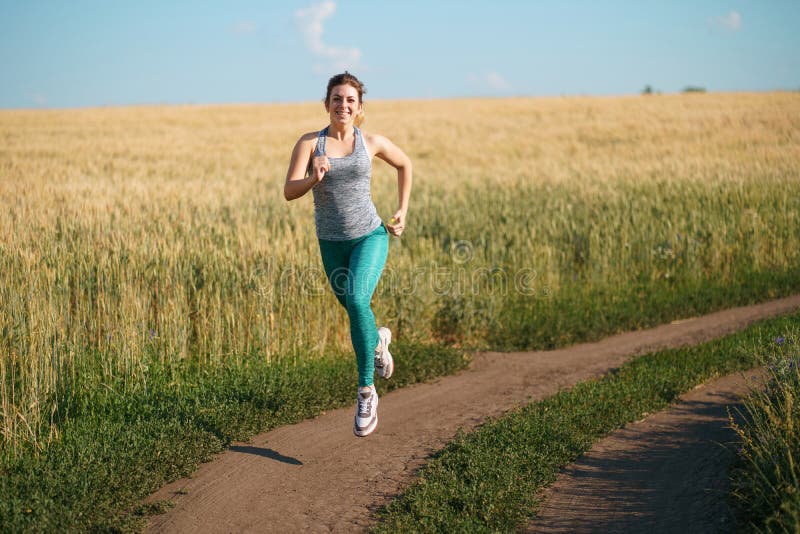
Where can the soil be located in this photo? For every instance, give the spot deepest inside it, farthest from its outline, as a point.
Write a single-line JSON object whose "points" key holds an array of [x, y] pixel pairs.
{"points": [[666, 473], [316, 476]]}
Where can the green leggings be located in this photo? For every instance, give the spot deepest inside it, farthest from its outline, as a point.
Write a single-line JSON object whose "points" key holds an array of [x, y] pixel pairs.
{"points": [[353, 268]]}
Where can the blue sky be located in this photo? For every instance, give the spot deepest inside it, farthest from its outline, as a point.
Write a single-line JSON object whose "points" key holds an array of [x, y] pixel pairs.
{"points": [[80, 53]]}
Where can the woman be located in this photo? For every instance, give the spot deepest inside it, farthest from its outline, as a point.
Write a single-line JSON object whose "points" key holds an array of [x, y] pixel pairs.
{"points": [[335, 164]]}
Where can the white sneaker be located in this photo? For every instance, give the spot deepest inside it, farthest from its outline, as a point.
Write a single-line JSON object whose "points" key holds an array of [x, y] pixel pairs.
{"points": [[384, 364], [366, 411]]}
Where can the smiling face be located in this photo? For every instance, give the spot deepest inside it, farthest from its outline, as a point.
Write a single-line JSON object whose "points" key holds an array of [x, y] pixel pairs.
{"points": [[344, 104]]}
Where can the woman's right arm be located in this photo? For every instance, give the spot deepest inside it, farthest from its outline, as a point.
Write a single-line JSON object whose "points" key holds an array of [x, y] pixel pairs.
{"points": [[297, 184]]}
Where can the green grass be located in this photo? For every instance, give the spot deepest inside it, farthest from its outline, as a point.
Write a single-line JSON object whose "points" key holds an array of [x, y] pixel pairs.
{"points": [[114, 449], [586, 313], [765, 489], [488, 480]]}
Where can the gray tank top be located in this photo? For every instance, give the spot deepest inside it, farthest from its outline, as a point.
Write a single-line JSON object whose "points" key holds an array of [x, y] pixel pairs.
{"points": [[343, 207]]}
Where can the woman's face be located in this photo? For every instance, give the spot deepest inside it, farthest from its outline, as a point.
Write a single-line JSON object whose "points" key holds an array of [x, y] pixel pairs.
{"points": [[343, 105]]}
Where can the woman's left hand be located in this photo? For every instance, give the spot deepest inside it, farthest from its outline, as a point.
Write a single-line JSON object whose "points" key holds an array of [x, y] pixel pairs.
{"points": [[397, 223]]}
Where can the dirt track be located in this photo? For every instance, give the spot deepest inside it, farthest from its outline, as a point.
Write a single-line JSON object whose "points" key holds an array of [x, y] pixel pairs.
{"points": [[316, 476], [667, 473]]}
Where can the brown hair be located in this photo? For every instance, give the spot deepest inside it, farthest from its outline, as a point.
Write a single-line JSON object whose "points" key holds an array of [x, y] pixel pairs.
{"points": [[346, 78]]}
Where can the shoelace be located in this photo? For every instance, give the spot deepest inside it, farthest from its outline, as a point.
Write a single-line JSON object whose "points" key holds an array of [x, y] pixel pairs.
{"points": [[364, 406]]}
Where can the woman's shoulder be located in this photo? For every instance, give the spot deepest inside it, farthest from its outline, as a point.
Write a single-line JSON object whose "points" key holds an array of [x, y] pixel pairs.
{"points": [[373, 139], [308, 138]]}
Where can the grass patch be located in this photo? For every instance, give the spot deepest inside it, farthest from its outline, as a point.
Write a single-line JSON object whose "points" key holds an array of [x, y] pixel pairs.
{"points": [[765, 488], [488, 480], [114, 449], [582, 313]]}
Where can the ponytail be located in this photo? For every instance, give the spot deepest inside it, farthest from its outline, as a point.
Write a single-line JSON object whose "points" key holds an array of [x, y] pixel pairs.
{"points": [[359, 119]]}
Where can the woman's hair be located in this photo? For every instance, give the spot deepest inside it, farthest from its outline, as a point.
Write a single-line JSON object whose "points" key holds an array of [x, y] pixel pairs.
{"points": [[348, 79]]}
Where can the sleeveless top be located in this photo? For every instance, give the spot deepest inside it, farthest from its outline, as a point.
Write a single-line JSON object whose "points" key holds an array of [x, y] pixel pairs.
{"points": [[343, 207]]}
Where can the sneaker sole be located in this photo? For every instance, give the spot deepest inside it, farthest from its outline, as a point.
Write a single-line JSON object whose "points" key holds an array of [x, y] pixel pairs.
{"points": [[389, 366], [366, 431]]}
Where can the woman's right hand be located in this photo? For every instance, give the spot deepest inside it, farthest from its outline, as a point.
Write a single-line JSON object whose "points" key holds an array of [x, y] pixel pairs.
{"points": [[320, 166]]}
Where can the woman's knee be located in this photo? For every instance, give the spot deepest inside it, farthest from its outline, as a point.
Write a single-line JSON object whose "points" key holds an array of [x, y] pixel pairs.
{"points": [[358, 304]]}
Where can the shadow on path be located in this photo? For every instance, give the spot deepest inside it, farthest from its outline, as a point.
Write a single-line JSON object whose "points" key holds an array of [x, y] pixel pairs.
{"points": [[667, 473], [265, 453]]}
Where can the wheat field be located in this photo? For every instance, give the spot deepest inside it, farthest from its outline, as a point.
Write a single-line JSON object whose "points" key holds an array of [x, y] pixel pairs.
{"points": [[137, 236]]}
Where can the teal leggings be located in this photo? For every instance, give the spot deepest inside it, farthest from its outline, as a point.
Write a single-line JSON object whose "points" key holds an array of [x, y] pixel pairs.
{"points": [[353, 268]]}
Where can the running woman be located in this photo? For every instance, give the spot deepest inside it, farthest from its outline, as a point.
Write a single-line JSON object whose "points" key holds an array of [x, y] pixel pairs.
{"points": [[336, 164]]}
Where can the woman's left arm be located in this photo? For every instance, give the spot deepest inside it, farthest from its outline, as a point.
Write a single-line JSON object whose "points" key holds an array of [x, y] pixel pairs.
{"points": [[391, 154]]}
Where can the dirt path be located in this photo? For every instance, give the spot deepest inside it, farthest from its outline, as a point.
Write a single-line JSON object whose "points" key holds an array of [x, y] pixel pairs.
{"points": [[315, 476], [667, 473]]}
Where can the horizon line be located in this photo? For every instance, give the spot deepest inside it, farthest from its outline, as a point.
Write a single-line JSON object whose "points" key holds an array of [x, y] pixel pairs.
{"points": [[685, 91]]}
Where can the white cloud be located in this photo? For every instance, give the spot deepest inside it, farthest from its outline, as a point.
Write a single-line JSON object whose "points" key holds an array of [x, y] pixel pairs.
{"points": [[489, 81], [496, 81], [39, 99], [311, 21], [732, 21], [243, 27]]}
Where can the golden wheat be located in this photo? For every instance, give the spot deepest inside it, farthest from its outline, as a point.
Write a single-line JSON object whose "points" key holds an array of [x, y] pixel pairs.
{"points": [[161, 232]]}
